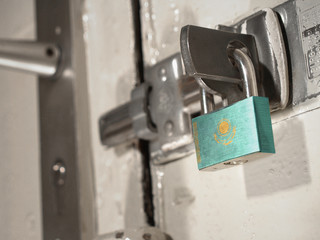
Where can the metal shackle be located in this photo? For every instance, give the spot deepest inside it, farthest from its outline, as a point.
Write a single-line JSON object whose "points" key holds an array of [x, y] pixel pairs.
{"points": [[239, 57]]}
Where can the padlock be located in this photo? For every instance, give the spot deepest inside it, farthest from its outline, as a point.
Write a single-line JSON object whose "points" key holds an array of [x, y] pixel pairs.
{"points": [[237, 133]]}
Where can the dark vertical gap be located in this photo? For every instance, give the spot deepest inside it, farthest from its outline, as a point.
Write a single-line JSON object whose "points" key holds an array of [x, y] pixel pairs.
{"points": [[137, 40], [147, 183], [143, 145]]}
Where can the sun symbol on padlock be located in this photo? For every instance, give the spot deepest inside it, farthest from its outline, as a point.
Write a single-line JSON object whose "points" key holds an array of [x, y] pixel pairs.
{"points": [[225, 132]]}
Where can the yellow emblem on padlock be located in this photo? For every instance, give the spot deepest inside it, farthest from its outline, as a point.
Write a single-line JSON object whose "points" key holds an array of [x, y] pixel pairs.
{"points": [[224, 131]]}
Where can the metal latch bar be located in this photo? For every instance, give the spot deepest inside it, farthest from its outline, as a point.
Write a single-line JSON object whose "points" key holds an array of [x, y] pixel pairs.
{"points": [[159, 111]]}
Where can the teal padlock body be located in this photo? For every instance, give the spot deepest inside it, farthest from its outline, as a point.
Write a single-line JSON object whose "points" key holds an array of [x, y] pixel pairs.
{"points": [[233, 135]]}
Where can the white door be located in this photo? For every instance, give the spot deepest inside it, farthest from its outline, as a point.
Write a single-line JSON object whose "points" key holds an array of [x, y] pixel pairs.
{"points": [[272, 198]]}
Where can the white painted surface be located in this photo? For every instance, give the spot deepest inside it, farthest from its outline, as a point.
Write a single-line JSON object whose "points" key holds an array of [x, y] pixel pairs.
{"points": [[162, 21], [272, 198], [20, 201], [111, 76]]}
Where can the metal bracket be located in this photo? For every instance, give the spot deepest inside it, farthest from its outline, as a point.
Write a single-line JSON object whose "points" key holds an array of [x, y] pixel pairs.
{"points": [[168, 111], [159, 111]]}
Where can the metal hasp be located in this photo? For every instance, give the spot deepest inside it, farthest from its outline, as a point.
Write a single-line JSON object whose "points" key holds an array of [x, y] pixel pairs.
{"points": [[237, 67], [162, 107], [204, 52], [159, 111], [66, 171], [34, 57]]}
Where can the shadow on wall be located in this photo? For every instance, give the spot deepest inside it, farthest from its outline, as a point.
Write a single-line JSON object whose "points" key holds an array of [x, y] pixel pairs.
{"points": [[288, 168]]}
